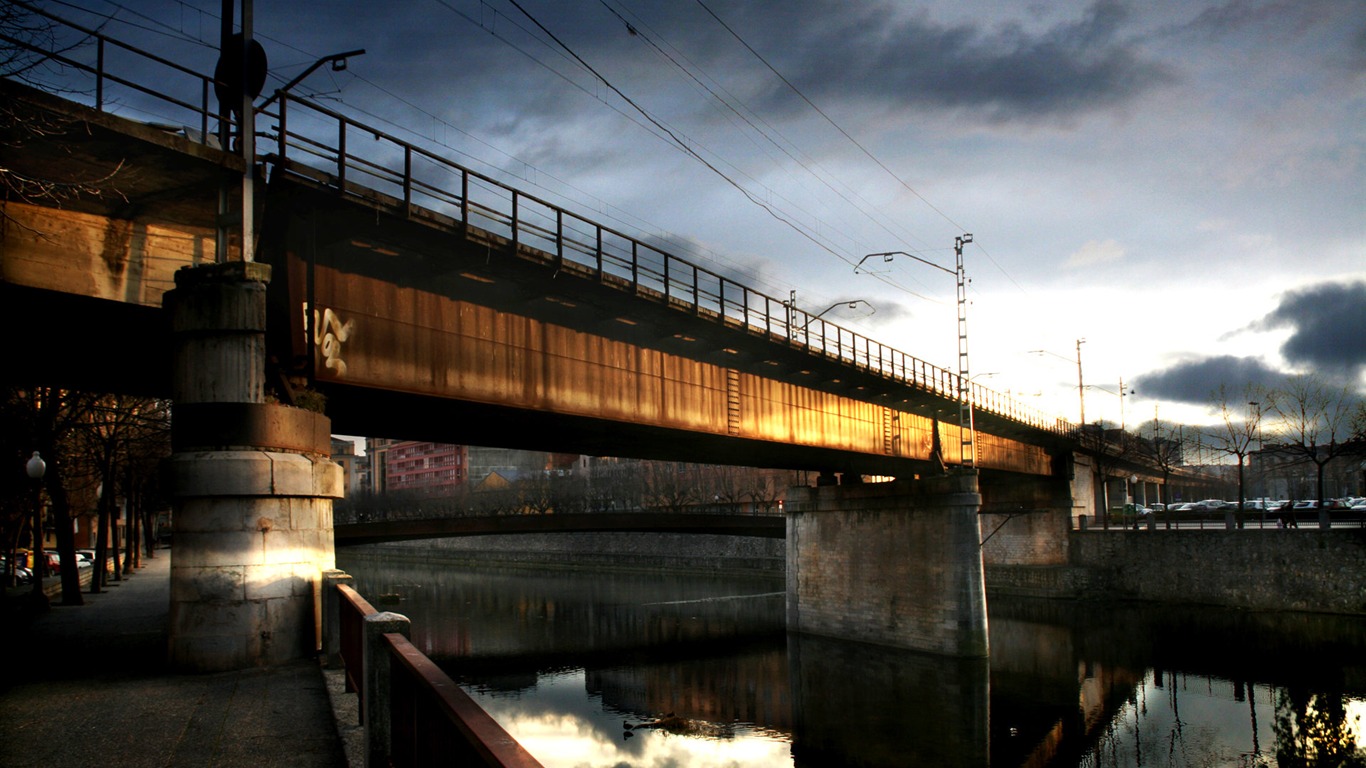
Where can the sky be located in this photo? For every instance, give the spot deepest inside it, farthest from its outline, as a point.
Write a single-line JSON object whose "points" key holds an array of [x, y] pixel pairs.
{"points": [[1179, 183]]}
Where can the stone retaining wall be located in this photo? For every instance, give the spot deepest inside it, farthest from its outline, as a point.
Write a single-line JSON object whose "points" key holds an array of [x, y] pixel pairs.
{"points": [[1300, 570]]}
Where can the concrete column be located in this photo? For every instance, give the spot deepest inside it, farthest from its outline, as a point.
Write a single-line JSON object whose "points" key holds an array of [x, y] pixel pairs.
{"points": [[375, 689], [897, 564], [331, 602], [251, 483]]}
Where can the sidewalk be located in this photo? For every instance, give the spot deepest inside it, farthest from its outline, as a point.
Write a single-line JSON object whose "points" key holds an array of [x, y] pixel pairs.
{"points": [[88, 685]]}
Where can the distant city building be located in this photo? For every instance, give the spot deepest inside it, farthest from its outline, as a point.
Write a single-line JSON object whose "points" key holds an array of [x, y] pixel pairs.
{"points": [[1280, 473], [512, 464], [355, 468], [408, 465]]}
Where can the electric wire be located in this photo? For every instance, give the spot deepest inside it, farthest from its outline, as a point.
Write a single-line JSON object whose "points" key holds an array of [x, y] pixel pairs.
{"points": [[673, 136], [670, 135], [851, 139], [768, 132]]}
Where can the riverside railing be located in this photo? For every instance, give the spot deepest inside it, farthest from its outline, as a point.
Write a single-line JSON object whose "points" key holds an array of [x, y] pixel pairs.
{"points": [[426, 185], [412, 712]]}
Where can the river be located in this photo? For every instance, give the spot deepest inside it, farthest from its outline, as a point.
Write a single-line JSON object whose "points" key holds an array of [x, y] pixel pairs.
{"points": [[618, 670]]}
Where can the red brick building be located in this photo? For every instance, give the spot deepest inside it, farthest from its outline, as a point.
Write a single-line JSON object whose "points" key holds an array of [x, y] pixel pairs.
{"points": [[404, 465]]}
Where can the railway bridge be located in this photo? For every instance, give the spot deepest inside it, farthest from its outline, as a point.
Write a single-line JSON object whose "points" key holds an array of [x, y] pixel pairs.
{"points": [[423, 299]]}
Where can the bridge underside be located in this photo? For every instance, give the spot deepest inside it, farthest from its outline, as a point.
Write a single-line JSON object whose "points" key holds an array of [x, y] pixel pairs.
{"points": [[423, 328]]}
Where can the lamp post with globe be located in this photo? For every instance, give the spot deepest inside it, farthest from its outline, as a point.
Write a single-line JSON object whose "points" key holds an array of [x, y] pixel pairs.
{"points": [[36, 468]]}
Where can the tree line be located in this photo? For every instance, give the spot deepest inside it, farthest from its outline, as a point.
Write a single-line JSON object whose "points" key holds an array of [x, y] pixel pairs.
{"points": [[98, 450], [1305, 423]]}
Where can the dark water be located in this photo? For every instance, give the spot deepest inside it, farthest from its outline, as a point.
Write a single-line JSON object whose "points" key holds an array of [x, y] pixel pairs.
{"points": [[614, 670]]}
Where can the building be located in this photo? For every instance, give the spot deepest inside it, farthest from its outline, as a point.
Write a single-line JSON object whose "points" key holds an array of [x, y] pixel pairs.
{"points": [[355, 467], [411, 465]]}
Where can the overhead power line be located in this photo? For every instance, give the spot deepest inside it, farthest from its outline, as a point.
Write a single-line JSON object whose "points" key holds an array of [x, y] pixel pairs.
{"points": [[848, 136]]}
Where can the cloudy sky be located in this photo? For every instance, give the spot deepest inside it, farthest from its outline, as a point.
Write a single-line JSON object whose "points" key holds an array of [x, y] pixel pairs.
{"points": [[1180, 183]]}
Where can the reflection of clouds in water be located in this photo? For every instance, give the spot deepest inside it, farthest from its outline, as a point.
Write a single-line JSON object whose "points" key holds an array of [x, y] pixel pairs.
{"points": [[560, 727]]}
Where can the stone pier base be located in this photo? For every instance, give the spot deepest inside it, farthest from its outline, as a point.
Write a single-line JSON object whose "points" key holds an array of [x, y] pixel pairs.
{"points": [[253, 533], [897, 564], [251, 481]]}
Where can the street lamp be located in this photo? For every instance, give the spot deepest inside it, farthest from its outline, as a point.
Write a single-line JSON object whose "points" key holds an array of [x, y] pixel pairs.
{"points": [[36, 468], [337, 60], [850, 304], [1081, 386], [1121, 394], [966, 426], [1261, 448]]}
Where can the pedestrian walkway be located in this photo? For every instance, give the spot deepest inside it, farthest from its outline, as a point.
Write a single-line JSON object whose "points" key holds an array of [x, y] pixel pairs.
{"points": [[89, 685]]}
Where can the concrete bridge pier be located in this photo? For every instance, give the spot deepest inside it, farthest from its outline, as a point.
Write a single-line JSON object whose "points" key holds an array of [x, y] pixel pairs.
{"points": [[251, 481], [897, 564]]}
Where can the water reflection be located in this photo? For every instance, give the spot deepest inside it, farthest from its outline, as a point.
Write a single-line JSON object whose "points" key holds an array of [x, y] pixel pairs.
{"points": [[643, 670]]}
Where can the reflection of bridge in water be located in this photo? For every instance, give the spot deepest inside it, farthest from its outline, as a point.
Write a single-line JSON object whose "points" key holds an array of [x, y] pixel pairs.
{"points": [[1062, 683], [375, 531]]}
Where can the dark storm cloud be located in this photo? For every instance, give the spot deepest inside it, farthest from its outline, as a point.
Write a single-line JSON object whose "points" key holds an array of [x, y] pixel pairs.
{"points": [[1334, 29], [860, 51], [1197, 381], [1329, 322]]}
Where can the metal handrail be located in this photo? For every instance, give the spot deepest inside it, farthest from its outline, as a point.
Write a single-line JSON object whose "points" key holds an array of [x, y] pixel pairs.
{"points": [[434, 722], [615, 258], [354, 608]]}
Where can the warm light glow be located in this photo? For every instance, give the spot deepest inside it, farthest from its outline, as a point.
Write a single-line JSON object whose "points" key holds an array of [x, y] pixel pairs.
{"points": [[591, 739]]}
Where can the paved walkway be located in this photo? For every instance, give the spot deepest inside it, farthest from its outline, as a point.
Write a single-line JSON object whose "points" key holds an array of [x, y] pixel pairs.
{"points": [[88, 685]]}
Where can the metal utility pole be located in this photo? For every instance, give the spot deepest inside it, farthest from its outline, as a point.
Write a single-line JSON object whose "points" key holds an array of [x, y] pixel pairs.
{"points": [[1081, 386], [241, 68], [967, 427]]}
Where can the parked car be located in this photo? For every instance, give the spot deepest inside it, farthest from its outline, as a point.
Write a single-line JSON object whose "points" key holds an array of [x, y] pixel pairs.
{"points": [[22, 575], [1306, 504], [54, 563]]}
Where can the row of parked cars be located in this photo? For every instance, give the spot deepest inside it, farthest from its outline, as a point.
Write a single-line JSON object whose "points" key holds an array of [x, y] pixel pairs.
{"points": [[1353, 503], [24, 565]]}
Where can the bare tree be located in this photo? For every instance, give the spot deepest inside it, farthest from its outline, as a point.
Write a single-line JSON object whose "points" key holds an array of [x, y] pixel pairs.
{"points": [[1164, 446], [44, 419], [37, 51], [1312, 422], [1236, 431], [668, 486], [109, 428]]}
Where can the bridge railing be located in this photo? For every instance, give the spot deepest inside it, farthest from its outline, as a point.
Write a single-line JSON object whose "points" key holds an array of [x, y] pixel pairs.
{"points": [[113, 76], [359, 158], [413, 713]]}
